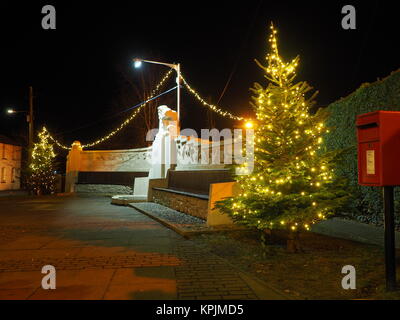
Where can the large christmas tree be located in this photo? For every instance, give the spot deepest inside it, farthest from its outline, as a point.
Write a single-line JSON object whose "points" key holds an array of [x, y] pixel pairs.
{"points": [[42, 178], [293, 183]]}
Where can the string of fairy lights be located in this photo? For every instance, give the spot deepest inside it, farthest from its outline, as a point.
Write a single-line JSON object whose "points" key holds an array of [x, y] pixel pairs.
{"points": [[42, 178], [209, 105], [212, 107], [123, 124]]}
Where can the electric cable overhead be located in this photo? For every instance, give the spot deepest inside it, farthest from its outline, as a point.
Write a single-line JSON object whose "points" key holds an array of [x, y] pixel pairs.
{"points": [[141, 105]]}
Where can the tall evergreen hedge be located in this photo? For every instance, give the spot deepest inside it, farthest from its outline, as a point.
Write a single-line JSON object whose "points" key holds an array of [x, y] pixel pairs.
{"points": [[380, 95]]}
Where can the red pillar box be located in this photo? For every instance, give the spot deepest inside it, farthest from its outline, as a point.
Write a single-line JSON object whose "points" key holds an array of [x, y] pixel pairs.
{"points": [[378, 135]]}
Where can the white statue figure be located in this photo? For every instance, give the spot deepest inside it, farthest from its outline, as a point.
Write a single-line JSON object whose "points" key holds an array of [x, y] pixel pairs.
{"points": [[167, 120], [163, 149]]}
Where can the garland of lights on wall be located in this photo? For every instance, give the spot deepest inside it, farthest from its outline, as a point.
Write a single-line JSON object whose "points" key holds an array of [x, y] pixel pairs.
{"points": [[209, 105], [123, 124], [212, 107]]}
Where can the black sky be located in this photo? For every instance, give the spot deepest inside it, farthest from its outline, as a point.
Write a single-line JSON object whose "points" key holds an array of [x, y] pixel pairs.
{"points": [[75, 69]]}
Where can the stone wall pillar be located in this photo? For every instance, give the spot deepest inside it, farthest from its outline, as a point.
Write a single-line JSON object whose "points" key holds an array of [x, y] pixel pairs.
{"points": [[220, 191], [73, 166]]}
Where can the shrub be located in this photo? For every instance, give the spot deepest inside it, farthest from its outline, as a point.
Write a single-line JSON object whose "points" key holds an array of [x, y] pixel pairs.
{"points": [[381, 95]]}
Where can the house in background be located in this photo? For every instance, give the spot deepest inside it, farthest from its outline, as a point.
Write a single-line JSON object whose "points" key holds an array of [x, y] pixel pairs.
{"points": [[10, 164]]}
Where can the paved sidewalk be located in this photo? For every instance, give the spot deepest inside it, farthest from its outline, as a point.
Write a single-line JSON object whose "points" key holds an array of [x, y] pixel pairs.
{"points": [[101, 251], [7, 193], [353, 230]]}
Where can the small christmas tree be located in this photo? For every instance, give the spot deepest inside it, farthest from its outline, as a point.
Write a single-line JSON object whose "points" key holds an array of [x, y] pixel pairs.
{"points": [[293, 183], [42, 177]]}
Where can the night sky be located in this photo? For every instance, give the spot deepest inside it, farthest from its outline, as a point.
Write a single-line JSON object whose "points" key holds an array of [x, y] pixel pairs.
{"points": [[76, 74]]}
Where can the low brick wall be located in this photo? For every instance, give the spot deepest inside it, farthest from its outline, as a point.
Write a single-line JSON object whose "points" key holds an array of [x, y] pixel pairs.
{"points": [[186, 204]]}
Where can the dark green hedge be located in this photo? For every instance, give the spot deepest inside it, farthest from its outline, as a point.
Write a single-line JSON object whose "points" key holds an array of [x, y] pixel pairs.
{"points": [[380, 95]]}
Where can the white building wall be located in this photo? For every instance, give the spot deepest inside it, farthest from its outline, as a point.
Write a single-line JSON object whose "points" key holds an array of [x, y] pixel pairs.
{"points": [[115, 160]]}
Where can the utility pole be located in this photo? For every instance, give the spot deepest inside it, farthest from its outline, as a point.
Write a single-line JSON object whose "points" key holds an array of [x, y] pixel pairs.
{"points": [[29, 118], [178, 93]]}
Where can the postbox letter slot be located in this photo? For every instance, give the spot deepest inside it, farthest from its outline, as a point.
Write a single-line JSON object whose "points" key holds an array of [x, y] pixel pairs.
{"points": [[368, 125]]}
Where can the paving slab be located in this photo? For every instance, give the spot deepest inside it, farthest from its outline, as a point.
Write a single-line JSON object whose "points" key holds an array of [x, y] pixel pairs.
{"points": [[73, 292], [353, 230], [97, 277], [20, 280], [16, 294], [29, 254], [149, 291], [103, 251]]}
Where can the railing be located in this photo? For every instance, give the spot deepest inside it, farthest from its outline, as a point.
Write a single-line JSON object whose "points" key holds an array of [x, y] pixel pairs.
{"points": [[194, 153]]}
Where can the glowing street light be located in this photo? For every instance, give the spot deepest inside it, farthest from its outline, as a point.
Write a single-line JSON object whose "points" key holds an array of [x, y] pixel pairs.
{"points": [[137, 63], [177, 67], [12, 111], [249, 125], [29, 118]]}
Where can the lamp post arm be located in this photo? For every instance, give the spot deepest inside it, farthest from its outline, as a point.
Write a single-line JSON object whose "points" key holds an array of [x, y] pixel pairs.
{"points": [[177, 68], [18, 111], [30, 122], [171, 65]]}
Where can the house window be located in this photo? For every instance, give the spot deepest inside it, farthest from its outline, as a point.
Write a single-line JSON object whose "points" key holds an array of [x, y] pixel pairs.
{"points": [[3, 175], [17, 153], [13, 175]]}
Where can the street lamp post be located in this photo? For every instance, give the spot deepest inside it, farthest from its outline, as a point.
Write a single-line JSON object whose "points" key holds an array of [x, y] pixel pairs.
{"points": [[29, 119], [178, 92], [177, 68]]}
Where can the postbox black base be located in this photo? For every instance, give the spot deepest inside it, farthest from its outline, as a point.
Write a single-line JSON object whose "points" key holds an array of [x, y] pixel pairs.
{"points": [[390, 249]]}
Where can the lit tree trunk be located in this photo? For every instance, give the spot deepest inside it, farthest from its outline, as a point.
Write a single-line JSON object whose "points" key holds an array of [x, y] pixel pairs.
{"points": [[293, 242]]}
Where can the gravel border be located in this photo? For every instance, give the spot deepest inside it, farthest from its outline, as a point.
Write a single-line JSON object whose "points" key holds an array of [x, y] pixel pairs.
{"points": [[169, 214], [183, 224]]}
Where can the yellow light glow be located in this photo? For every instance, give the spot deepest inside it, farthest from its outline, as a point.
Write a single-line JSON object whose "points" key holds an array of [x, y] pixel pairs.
{"points": [[249, 125]]}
